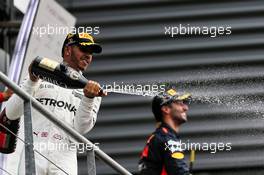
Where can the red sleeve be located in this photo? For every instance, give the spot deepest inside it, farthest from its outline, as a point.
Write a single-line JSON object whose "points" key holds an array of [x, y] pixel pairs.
{"points": [[1, 97]]}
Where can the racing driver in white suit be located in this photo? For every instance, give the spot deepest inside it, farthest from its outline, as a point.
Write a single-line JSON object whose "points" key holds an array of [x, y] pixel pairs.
{"points": [[78, 109]]}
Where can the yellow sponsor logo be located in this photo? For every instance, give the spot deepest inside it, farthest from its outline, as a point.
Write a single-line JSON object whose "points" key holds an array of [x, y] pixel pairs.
{"points": [[185, 96], [177, 155], [172, 92], [86, 36], [85, 44]]}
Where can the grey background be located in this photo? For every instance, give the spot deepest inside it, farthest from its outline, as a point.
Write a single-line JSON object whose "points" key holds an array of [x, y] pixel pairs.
{"points": [[226, 70]]}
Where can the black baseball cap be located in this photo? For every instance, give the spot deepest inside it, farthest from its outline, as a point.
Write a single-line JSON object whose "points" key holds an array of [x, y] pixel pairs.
{"points": [[166, 98], [84, 41]]}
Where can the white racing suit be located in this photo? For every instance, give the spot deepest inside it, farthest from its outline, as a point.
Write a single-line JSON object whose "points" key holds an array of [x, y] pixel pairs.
{"points": [[68, 105]]}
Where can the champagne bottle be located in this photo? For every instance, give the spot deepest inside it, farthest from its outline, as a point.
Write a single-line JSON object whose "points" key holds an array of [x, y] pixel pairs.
{"points": [[8, 130], [58, 74]]}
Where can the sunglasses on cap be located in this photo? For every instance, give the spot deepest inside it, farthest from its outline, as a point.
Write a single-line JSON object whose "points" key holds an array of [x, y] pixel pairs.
{"points": [[185, 99]]}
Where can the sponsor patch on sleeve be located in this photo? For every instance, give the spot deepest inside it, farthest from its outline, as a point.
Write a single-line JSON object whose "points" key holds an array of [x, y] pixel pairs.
{"points": [[177, 155]]}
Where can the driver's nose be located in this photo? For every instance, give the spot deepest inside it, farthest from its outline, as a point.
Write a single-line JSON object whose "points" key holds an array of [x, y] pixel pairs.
{"points": [[185, 107]]}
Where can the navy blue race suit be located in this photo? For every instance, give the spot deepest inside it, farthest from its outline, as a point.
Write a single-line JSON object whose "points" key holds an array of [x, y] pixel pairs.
{"points": [[162, 154]]}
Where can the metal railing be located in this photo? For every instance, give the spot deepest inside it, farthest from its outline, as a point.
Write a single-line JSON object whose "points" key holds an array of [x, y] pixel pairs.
{"points": [[29, 154]]}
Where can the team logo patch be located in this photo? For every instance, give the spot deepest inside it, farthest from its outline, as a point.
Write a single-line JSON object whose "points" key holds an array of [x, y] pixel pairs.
{"points": [[177, 155], [44, 134]]}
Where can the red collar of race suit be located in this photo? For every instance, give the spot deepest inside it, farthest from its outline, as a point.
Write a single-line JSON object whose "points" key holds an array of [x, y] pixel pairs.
{"points": [[1, 97], [167, 129]]}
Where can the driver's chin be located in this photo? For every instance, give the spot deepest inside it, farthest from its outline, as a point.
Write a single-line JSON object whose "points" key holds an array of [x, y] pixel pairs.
{"points": [[82, 67], [184, 116], [180, 118]]}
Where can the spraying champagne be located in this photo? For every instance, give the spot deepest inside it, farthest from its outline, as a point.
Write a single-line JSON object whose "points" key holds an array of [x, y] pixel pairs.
{"points": [[66, 77]]}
